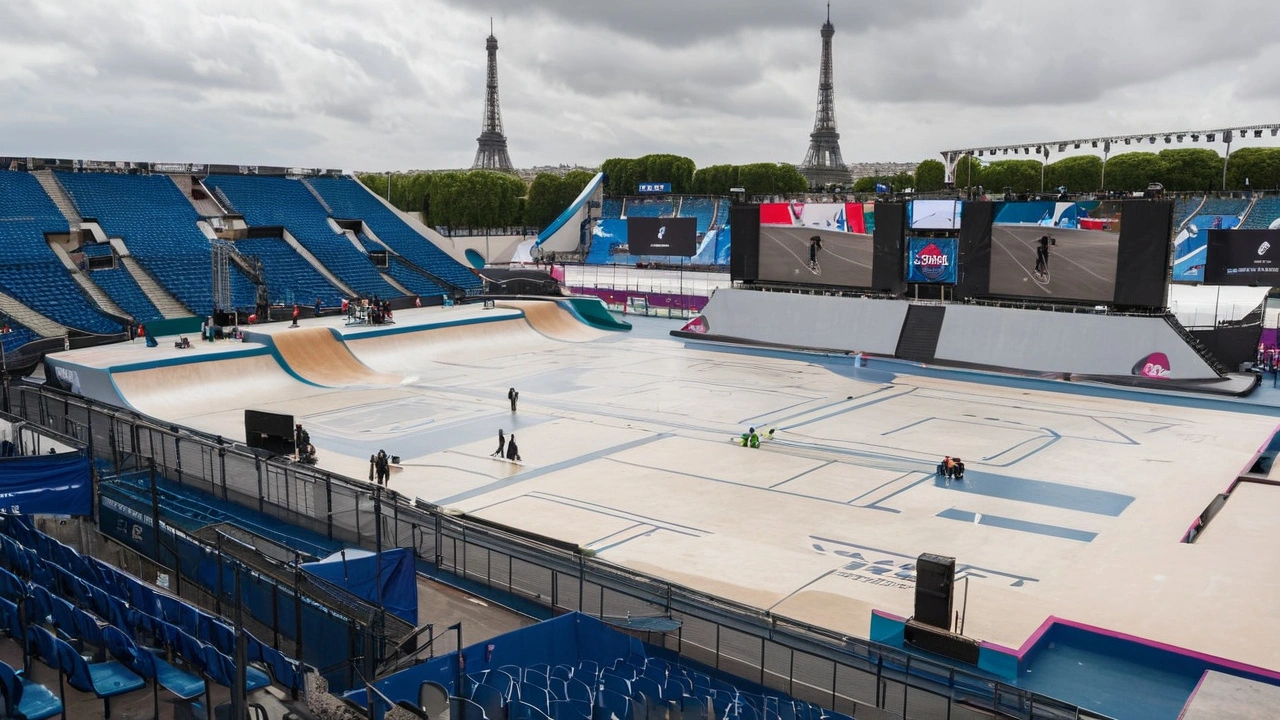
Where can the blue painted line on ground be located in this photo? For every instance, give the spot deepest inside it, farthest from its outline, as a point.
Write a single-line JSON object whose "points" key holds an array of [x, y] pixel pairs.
{"points": [[548, 469], [253, 351], [806, 472], [625, 540], [1039, 492], [881, 486], [1019, 525], [849, 409], [633, 526], [615, 512], [898, 492], [1052, 438]]}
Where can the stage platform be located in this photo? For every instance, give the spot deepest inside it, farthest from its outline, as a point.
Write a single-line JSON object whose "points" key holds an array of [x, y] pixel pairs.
{"points": [[1074, 504]]}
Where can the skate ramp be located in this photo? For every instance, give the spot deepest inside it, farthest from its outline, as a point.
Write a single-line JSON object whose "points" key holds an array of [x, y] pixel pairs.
{"points": [[463, 344], [210, 386], [318, 356], [551, 319]]}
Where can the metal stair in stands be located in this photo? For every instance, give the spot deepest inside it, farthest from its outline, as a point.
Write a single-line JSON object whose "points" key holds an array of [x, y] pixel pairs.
{"points": [[918, 340]]}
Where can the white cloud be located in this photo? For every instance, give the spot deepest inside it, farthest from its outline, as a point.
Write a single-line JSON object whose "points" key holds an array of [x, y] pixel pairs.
{"points": [[400, 83]]}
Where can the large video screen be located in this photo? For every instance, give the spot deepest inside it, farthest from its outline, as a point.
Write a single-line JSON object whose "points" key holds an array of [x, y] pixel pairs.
{"points": [[662, 236], [1054, 263], [815, 244], [935, 214], [1243, 257]]}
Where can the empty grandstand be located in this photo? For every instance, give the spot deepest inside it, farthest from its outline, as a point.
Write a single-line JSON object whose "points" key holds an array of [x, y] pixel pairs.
{"points": [[30, 272], [649, 207], [278, 202], [347, 199], [1265, 213], [290, 278]]}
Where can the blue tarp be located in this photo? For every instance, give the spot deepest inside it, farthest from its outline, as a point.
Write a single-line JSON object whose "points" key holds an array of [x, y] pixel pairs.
{"points": [[47, 484], [389, 580]]}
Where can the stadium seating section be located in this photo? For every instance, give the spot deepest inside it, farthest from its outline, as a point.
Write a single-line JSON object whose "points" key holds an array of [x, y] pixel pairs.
{"points": [[349, 200], [157, 224], [611, 208], [1184, 208], [575, 667], [400, 271], [124, 290], [64, 607], [704, 209], [649, 207], [1223, 206], [17, 336], [290, 278], [29, 271], [281, 202], [1264, 212]]}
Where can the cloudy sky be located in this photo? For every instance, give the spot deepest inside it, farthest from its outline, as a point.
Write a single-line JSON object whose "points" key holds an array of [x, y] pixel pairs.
{"points": [[399, 84]]}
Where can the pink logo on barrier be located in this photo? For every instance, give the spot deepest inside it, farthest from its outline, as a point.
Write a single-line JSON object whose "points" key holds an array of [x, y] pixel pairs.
{"points": [[1156, 365], [696, 325]]}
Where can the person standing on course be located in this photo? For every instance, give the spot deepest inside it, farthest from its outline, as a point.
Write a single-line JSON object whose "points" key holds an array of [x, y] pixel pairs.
{"points": [[513, 453], [296, 312], [502, 446], [513, 396]]}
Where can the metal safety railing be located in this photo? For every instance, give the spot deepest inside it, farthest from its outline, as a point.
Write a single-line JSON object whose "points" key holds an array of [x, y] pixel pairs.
{"points": [[850, 675]]}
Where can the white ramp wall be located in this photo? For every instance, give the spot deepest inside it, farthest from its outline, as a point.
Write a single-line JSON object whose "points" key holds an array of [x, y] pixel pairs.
{"points": [[1056, 342], [807, 321]]}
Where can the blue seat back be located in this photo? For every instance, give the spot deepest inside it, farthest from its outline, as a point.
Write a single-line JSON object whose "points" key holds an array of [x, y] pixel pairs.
{"points": [[43, 645], [12, 687], [11, 588], [122, 648], [10, 620], [73, 666]]}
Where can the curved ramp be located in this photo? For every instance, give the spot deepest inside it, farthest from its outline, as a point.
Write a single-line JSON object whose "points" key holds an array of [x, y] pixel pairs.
{"points": [[318, 356], [551, 319], [413, 352], [210, 386]]}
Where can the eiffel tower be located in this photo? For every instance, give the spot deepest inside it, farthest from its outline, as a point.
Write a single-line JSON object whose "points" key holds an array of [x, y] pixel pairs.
{"points": [[823, 164], [492, 152]]}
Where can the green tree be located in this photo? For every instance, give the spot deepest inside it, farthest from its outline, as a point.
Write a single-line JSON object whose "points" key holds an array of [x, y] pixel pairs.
{"points": [[931, 176], [771, 179], [1133, 171], [544, 199], [1082, 173], [715, 179], [1190, 169], [621, 176], [1260, 165], [969, 171], [1018, 175]]}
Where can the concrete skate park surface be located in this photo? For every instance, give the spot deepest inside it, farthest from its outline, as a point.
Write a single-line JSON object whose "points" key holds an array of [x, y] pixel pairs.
{"points": [[1073, 505]]}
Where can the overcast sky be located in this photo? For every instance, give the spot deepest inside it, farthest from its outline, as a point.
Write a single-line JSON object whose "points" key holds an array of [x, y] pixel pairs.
{"points": [[399, 84]]}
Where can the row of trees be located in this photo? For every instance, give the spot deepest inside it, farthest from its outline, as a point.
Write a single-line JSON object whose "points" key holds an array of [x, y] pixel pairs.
{"points": [[474, 199], [623, 176], [1178, 170]]}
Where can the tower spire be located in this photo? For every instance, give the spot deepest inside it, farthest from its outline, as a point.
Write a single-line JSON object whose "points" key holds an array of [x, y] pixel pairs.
{"points": [[491, 153], [823, 165]]}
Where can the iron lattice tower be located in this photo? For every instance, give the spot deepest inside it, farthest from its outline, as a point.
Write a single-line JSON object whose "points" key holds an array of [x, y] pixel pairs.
{"points": [[823, 164], [492, 151]]}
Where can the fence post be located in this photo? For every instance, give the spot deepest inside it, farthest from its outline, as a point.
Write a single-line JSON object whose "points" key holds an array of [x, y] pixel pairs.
{"points": [[155, 508], [328, 499], [257, 469]]}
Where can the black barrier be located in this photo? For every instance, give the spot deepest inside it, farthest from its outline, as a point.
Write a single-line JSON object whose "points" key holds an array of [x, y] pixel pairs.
{"points": [[744, 252], [1142, 263], [975, 250], [1243, 257], [887, 241], [673, 237]]}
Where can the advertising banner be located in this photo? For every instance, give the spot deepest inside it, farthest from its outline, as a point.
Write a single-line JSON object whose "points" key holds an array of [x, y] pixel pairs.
{"points": [[932, 260], [1243, 257]]}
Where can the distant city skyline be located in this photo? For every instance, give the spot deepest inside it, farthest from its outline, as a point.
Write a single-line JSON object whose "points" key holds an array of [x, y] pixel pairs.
{"points": [[291, 83]]}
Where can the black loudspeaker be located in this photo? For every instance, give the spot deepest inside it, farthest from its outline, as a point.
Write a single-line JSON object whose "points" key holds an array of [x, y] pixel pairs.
{"points": [[272, 432], [975, 250], [941, 642], [1142, 255], [887, 271], [935, 585], [744, 252]]}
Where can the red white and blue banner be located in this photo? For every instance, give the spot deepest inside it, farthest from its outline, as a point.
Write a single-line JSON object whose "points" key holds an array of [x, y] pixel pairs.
{"points": [[932, 260]]}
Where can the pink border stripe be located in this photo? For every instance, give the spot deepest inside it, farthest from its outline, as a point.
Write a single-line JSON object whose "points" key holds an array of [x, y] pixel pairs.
{"points": [[888, 615], [1206, 658]]}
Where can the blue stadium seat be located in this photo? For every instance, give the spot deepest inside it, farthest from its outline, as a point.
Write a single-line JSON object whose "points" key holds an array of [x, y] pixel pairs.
{"points": [[611, 208], [349, 200], [1184, 208], [26, 699], [1265, 211], [704, 209], [290, 278], [120, 285], [157, 223], [650, 207], [29, 271], [281, 202]]}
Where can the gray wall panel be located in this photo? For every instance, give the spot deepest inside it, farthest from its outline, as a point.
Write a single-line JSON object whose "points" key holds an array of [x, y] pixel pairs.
{"points": [[1042, 341], [811, 321]]}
